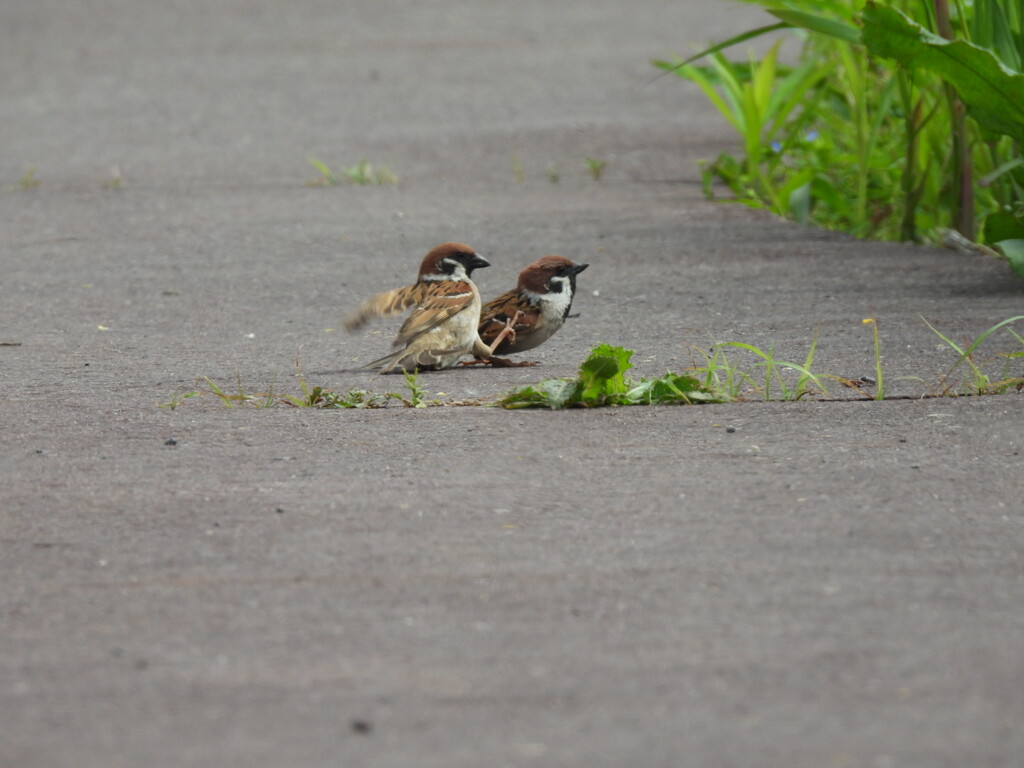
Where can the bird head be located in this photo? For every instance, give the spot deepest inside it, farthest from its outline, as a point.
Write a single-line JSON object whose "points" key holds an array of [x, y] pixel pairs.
{"points": [[451, 261], [550, 274]]}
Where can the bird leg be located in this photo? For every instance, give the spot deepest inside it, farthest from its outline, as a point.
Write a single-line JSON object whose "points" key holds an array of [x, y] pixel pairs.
{"points": [[484, 353], [508, 331]]}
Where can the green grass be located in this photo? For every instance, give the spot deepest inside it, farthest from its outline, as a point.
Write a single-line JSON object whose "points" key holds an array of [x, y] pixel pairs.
{"points": [[517, 169], [879, 373], [29, 180], [308, 396], [772, 369], [595, 167], [978, 381], [726, 372], [114, 182], [362, 173]]}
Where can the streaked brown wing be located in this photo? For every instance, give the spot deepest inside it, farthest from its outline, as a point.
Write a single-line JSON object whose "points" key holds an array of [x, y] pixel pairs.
{"points": [[496, 313], [438, 301], [384, 304]]}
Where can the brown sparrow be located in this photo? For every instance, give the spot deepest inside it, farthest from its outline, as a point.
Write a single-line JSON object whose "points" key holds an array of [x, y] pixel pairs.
{"points": [[443, 324], [541, 301]]}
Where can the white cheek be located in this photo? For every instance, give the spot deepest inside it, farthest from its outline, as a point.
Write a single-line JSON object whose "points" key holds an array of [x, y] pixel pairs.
{"points": [[555, 304]]}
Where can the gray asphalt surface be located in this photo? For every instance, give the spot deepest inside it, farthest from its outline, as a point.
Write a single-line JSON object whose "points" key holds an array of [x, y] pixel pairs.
{"points": [[827, 584]]}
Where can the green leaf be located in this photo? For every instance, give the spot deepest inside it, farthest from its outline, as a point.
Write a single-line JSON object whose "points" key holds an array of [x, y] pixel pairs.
{"points": [[602, 383], [740, 38], [549, 393], [1003, 225], [842, 10], [1002, 170], [603, 372], [821, 24], [1013, 250], [993, 93], [671, 388], [799, 199]]}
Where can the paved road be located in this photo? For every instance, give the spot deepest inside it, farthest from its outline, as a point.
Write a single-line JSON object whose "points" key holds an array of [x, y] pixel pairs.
{"points": [[773, 585]]}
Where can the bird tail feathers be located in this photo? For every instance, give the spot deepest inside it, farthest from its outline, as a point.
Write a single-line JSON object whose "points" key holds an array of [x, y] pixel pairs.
{"points": [[382, 305]]}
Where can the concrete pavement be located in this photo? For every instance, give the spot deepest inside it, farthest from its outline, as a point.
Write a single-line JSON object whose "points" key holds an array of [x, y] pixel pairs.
{"points": [[828, 584]]}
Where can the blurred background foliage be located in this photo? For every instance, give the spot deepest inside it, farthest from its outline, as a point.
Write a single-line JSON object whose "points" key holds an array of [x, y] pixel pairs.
{"points": [[898, 120]]}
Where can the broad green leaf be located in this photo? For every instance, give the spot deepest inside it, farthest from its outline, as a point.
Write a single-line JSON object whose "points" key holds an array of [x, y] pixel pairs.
{"points": [[1003, 225], [602, 383], [993, 93], [549, 393], [798, 195], [603, 372], [1013, 250], [992, 28], [600, 369], [672, 388]]}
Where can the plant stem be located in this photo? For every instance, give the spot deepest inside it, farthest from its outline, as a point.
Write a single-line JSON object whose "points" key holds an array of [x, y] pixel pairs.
{"points": [[963, 188], [912, 112]]}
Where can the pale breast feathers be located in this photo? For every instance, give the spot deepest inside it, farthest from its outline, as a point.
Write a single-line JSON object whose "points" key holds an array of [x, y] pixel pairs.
{"points": [[437, 302]]}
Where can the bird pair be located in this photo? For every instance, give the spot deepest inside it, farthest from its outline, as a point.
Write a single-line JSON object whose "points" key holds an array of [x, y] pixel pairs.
{"points": [[448, 321]]}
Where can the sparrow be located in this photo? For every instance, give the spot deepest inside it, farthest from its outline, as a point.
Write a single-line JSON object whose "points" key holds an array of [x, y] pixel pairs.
{"points": [[446, 312], [541, 301]]}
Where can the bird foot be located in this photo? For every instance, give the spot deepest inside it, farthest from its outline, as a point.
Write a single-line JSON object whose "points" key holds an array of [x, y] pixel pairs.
{"points": [[508, 333], [499, 362], [504, 362]]}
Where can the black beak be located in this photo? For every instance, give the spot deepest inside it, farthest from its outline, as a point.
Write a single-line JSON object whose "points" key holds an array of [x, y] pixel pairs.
{"points": [[579, 268], [476, 261]]}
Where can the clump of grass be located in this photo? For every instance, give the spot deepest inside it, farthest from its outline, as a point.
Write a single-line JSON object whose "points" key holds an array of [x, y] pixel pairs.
{"points": [[318, 397], [417, 393], [554, 172], [309, 397], [879, 375], [595, 167], [29, 180], [773, 368], [177, 398], [717, 373], [326, 178], [979, 382], [114, 182], [362, 173], [517, 169]]}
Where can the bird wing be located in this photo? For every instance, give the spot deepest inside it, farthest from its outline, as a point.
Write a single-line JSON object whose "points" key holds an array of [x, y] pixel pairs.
{"points": [[384, 304], [496, 313], [438, 300]]}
